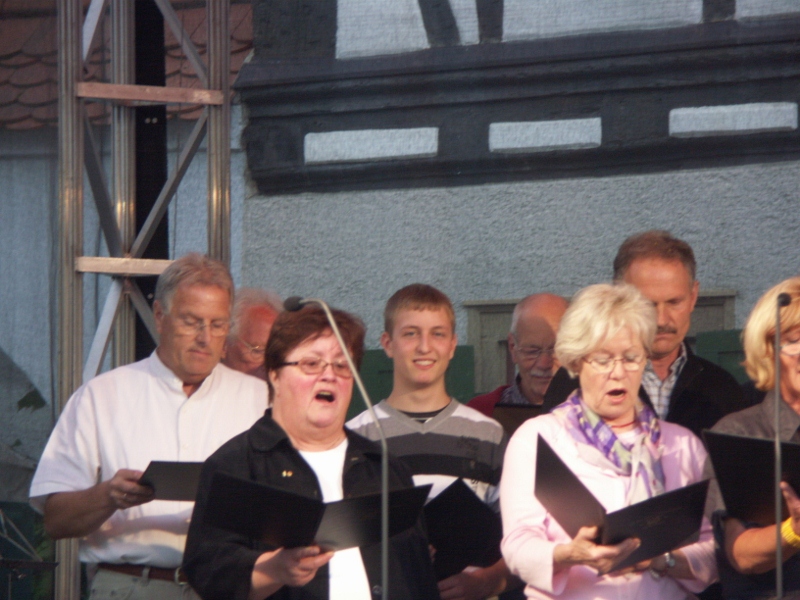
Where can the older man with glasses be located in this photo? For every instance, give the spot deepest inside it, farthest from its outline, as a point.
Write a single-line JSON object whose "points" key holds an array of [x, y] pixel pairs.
{"points": [[179, 404], [534, 325], [254, 312]]}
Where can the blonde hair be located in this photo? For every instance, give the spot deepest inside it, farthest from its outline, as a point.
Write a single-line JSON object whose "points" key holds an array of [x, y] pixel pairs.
{"points": [[758, 337], [599, 312]]}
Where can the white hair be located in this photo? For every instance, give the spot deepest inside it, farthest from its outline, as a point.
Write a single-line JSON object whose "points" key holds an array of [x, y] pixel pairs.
{"points": [[596, 314], [247, 298]]}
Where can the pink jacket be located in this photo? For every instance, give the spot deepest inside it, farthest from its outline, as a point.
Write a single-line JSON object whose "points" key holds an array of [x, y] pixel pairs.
{"points": [[530, 534]]}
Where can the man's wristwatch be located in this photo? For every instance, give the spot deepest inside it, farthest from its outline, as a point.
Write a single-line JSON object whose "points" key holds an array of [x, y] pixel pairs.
{"points": [[669, 562]]}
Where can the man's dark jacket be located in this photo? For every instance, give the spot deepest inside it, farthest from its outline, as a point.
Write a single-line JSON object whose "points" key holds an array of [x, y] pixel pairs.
{"points": [[219, 563], [703, 394]]}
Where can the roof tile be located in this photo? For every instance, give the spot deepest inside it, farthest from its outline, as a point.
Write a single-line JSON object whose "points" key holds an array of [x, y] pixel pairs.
{"points": [[29, 60]]}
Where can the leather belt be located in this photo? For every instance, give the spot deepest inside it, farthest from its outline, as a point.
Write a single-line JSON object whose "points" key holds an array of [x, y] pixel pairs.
{"points": [[160, 573]]}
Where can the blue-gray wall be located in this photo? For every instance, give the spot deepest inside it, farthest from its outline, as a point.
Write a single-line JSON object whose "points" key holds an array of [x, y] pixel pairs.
{"points": [[508, 240], [27, 324]]}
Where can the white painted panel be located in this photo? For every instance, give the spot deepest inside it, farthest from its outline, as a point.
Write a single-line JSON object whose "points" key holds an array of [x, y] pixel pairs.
{"points": [[540, 136], [373, 27], [733, 119], [762, 8], [530, 19], [466, 14], [370, 144]]}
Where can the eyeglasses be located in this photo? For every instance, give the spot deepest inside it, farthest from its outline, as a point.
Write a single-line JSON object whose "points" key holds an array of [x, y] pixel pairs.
{"points": [[605, 364], [533, 354], [791, 348], [315, 366], [188, 325], [256, 352]]}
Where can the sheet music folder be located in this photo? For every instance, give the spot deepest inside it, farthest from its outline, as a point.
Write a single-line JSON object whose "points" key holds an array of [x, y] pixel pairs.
{"points": [[172, 480], [745, 471], [289, 520], [463, 530], [511, 416], [662, 523]]}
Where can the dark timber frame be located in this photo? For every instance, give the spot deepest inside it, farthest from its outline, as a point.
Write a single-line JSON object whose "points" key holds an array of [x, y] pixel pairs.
{"points": [[629, 79]]}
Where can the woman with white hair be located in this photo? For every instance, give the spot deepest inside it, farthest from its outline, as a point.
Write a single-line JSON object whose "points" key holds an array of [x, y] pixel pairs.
{"points": [[617, 447]]}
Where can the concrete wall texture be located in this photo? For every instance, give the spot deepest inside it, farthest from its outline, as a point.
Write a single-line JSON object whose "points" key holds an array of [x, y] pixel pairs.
{"points": [[28, 171], [188, 211], [27, 271], [507, 240]]}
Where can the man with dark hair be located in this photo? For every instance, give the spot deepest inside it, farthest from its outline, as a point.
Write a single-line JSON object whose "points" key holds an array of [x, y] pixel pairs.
{"points": [[682, 387], [438, 438], [179, 404], [657, 244]]}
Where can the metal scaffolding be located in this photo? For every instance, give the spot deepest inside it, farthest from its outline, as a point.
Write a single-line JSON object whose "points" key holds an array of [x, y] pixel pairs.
{"points": [[79, 154]]}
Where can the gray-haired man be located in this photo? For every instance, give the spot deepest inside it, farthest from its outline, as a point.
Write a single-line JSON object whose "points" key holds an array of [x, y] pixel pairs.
{"points": [[179, 404]]}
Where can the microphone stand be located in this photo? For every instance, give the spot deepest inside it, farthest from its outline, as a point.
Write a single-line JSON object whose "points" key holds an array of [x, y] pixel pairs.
{"points": [[783, 300], [295, 303]]}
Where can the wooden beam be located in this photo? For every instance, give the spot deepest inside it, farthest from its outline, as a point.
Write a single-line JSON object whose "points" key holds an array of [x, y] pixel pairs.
{"points": [[147, 94], [128, 267]]}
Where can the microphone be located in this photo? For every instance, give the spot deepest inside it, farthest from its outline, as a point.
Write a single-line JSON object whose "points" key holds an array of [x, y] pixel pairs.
{"points": [[295, 303], [783, 300]]}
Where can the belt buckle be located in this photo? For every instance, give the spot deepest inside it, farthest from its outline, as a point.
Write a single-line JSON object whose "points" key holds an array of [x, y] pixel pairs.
{"points": [[176, 575]]}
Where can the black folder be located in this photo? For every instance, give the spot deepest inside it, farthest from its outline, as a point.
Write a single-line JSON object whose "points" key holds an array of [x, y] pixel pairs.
{"points": [[285, 519], [511, 416], [745, 471], [172, 480], [463, 530], [662, 523]]}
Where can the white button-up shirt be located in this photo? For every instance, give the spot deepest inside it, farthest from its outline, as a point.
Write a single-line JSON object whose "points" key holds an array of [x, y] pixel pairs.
{"points": [[127, 417]]}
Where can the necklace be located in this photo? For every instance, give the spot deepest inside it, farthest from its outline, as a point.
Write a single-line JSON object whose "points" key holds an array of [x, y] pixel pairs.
{"points": [[623, 425]]}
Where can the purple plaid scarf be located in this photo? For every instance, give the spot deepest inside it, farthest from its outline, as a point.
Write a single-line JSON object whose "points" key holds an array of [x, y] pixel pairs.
{"points": [[640, 461]]}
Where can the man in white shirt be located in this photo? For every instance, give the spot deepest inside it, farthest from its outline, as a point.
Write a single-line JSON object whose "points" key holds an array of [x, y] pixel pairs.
{"points": [[179, 404]]}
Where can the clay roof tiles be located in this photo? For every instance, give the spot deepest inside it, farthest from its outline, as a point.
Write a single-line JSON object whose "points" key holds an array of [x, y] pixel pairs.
{"points": [[29, 59]]}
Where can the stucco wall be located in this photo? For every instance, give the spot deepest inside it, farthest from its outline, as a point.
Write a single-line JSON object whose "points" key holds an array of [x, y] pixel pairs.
{"points": [[188, 212], [27, 272], [507, 240], [28, 172]]}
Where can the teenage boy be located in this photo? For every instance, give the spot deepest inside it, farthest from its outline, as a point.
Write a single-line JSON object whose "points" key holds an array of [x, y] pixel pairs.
{"points": [[438, 438]]}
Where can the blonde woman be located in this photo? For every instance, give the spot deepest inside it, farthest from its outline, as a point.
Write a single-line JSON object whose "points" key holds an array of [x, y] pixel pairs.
{"points": [[747, 557]]}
